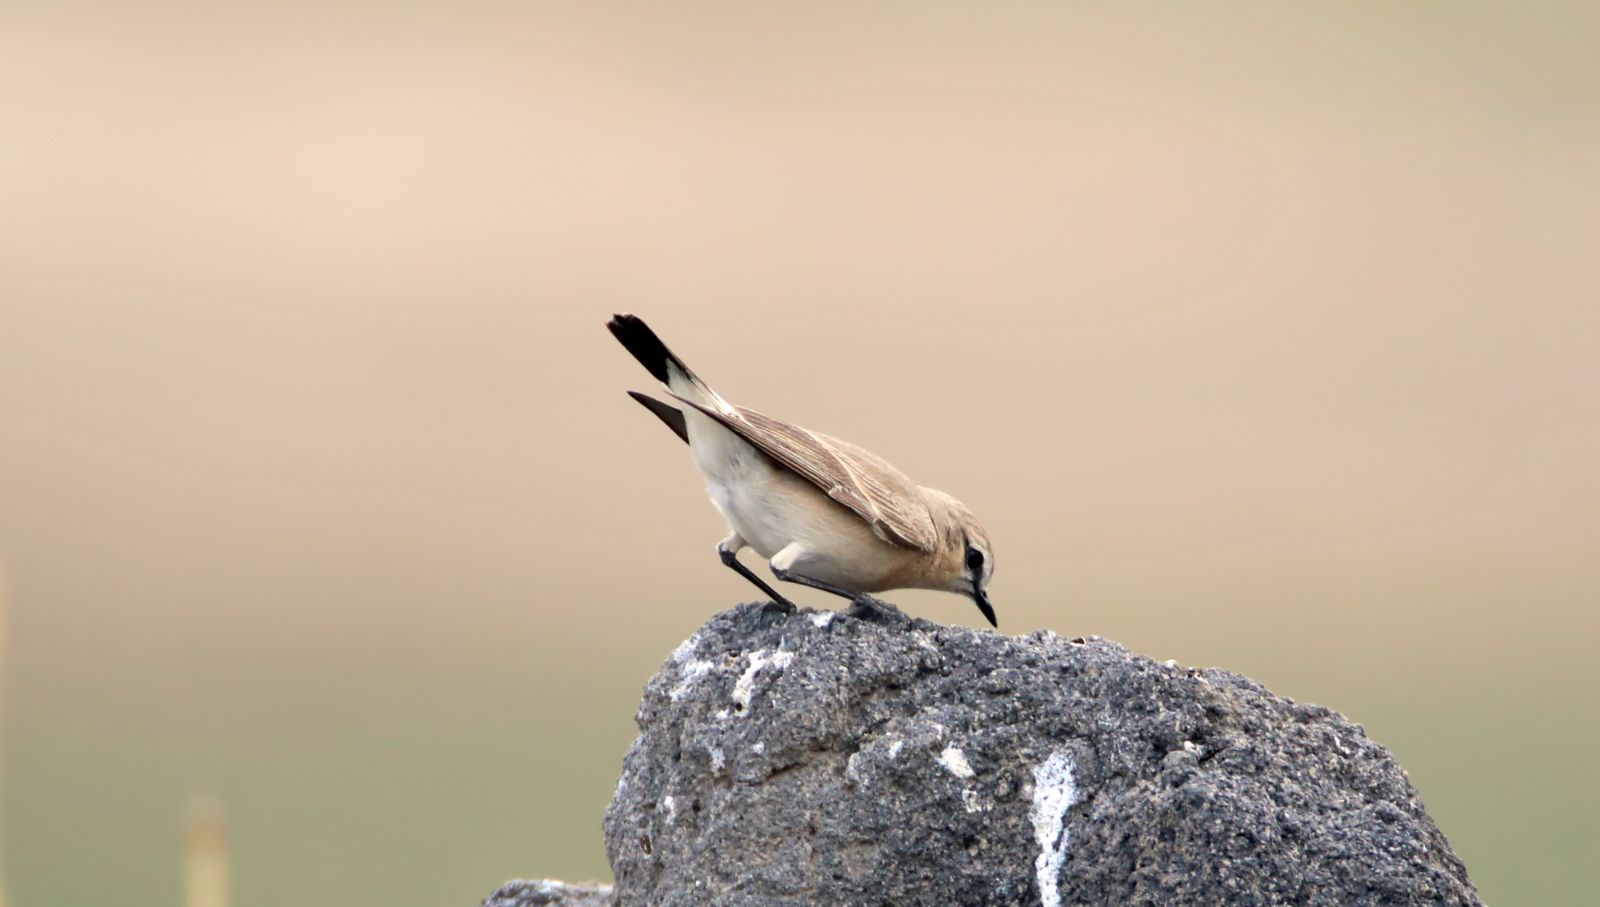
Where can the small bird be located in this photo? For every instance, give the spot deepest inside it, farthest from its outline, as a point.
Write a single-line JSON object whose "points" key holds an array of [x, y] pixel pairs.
{"points": [[824, 512]]}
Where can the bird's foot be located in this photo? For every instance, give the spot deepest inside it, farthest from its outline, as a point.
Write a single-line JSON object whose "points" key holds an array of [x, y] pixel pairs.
{"points": [[876, 611], [779, 605]]}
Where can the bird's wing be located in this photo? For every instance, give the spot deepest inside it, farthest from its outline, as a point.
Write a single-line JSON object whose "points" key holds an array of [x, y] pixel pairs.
{"points": [[860, 480]]}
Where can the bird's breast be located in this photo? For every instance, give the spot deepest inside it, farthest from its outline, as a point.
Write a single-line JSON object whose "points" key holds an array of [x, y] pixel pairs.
{"points": [[776, 509], [758, 506]]}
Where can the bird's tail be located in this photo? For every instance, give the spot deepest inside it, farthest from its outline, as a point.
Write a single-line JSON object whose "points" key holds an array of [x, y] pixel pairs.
{"points": [[646, 347]]}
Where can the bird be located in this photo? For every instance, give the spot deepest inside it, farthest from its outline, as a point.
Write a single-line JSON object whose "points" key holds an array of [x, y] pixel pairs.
{"points": [[825, 513]]}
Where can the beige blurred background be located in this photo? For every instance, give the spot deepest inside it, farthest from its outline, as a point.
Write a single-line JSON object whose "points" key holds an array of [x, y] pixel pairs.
{"points": [[1259, 337]]}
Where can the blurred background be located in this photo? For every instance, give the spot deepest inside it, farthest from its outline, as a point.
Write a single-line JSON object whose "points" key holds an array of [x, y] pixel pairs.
{"points": [[1262, 337]]}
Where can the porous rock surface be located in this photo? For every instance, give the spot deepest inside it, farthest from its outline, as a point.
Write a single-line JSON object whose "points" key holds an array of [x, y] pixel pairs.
{"points": [[825, 759], [550, 893]]}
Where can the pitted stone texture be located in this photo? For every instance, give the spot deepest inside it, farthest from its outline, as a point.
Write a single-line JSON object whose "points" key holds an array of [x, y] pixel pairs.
{"points": [[797, 759], [550, 893]]}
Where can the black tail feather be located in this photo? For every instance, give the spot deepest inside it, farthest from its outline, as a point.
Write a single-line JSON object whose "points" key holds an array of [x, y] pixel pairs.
{"points": [[645, 346], [672, 417]]}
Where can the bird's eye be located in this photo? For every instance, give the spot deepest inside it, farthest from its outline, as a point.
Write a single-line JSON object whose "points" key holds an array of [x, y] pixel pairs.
{"points": [[974, 560]]}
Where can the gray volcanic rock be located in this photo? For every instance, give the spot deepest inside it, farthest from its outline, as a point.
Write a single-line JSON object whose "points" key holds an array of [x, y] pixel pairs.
{"points": [[549, 893], [819, 758]]}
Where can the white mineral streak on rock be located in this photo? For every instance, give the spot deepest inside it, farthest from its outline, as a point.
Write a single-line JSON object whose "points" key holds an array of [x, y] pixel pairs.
{"points": [[669, 805], [760, 658], [690, 669], [822, 620], [955, 762], [718, 761], [1053, 794], [896, 747], [691, 672], [852, 770], [685, 649]]}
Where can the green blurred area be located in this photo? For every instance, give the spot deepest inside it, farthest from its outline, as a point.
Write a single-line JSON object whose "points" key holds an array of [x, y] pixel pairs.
{"points": [[1263, 338]]}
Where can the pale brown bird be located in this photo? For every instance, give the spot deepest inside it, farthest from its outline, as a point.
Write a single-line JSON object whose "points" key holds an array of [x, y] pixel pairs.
{"points": [[824, 512]]}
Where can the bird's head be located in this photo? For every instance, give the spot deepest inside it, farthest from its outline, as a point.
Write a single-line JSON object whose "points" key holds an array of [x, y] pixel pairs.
{"points": [[964, 563]]}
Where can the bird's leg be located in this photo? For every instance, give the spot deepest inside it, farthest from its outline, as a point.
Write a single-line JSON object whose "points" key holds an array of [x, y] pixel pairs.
{"points": [[728, 550], [790, 576], [782, 565]]}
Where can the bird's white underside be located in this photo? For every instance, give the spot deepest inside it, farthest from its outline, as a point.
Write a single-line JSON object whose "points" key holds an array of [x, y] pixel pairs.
{"points": [[783, 517]]}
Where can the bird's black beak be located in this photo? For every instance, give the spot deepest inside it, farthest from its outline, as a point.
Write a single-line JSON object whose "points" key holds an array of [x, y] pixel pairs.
{"points": [[982, 601]]}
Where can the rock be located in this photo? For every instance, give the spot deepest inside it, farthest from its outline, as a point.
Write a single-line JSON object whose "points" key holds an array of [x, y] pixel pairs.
{"points": [[550, 893], [818, 758]]}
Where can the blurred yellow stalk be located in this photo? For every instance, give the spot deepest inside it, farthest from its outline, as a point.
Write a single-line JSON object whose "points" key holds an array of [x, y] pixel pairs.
{"points": [[205, 858]]}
